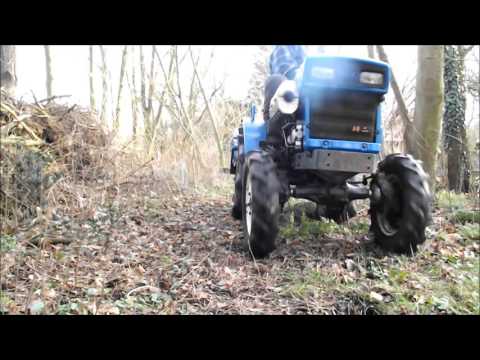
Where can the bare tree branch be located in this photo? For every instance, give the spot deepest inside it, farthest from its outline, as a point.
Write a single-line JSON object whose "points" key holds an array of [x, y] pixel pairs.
{"points": [[173, 96], [161, 101], [396, 89], [160, 109], [151, 85], [466, 49], [210, 99], [142, 78], [120, 87], [207, 102], [371, 51], [104, 85], [133, 92]]}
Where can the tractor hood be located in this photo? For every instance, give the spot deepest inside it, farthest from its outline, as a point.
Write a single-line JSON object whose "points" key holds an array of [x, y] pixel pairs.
{"points": [[343, 73]]}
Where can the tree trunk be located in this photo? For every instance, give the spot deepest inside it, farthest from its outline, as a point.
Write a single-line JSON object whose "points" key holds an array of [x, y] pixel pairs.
{"points": [[371, 52], [160, 107], [48, 65], [142, 78], [148, 111], [466, 160], [151, 83], [399, 98], [116, 123], [104, 86], [428, 107], [8, 73], [146, 99], [90, 78], [454, 130], [134, 98]]}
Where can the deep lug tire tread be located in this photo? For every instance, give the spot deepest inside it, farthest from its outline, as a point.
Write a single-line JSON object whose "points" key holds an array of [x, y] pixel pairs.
{"points": [[265, 204], [416, 205]]}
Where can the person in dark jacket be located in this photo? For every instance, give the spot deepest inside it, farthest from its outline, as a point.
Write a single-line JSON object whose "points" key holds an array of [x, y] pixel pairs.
{"points": [[283, 63]]}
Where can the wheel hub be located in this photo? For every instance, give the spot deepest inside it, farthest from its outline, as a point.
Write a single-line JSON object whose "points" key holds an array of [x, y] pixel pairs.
{"points": [[248, 205], [385, 196]]}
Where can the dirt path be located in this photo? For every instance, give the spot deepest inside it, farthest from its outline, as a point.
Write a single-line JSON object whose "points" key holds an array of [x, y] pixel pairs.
{"points": [[185, 257]]}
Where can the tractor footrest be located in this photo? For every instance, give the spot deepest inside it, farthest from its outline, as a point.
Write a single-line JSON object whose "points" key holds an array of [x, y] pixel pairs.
{"points": [[335, 160]]}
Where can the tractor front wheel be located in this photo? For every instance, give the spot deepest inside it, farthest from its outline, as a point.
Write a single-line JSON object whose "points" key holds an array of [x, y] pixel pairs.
{"points": [[400, 207], [260, 204]]}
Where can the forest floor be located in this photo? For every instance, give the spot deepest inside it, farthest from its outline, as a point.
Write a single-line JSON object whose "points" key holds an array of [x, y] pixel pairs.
{"points": [[143, 252]]}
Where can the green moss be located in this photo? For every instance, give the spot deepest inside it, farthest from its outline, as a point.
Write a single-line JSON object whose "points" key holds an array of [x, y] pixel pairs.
{"points": [[357, 228], [464, 216], [310, 283], [7, 243], [470, 231], [451, 201]]}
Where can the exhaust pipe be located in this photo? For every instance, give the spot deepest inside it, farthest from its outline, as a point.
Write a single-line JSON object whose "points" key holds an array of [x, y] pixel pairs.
{"points": [[286, 98]]}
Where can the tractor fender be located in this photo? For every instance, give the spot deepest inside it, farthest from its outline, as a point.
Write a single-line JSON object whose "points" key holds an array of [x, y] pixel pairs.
{"points": [[253, 133]]}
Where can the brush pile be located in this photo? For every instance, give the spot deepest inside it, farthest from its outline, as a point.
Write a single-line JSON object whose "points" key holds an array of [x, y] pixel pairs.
{"points": [[42, 145]]}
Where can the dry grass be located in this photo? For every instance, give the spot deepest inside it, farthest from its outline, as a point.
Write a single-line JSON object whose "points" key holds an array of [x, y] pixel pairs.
{"points": [[60, 161]]}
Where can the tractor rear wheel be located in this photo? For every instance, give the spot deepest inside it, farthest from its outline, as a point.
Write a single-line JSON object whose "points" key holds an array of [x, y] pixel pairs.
{"points": [[400, 207], [260, 204]]}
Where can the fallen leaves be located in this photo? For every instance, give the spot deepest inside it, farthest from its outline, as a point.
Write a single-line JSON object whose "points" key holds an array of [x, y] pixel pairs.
{"points": [[108, 309], [184, 257]]}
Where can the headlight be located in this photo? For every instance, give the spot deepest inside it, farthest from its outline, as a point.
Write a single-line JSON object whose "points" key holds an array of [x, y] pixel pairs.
{"points": [[285, 99], [323, 72], [371, 78]]}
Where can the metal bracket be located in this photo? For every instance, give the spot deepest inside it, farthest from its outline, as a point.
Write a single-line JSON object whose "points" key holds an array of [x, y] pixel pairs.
{"points": [[334, 160]]}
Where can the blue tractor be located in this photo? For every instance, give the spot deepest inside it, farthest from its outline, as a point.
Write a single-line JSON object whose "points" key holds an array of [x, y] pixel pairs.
{"points": [[324, 129]]}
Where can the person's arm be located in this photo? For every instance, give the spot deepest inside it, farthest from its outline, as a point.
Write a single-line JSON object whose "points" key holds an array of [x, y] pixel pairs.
{"points": [[299, 54], [286, 59], [280, 60], [297, 57]]}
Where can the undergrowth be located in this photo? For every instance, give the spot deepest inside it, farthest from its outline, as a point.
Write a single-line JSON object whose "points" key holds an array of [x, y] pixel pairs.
{"points": [[442, 278]]}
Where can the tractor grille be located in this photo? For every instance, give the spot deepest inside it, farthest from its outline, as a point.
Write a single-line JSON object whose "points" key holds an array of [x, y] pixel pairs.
{"points": [[341, 115]]}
